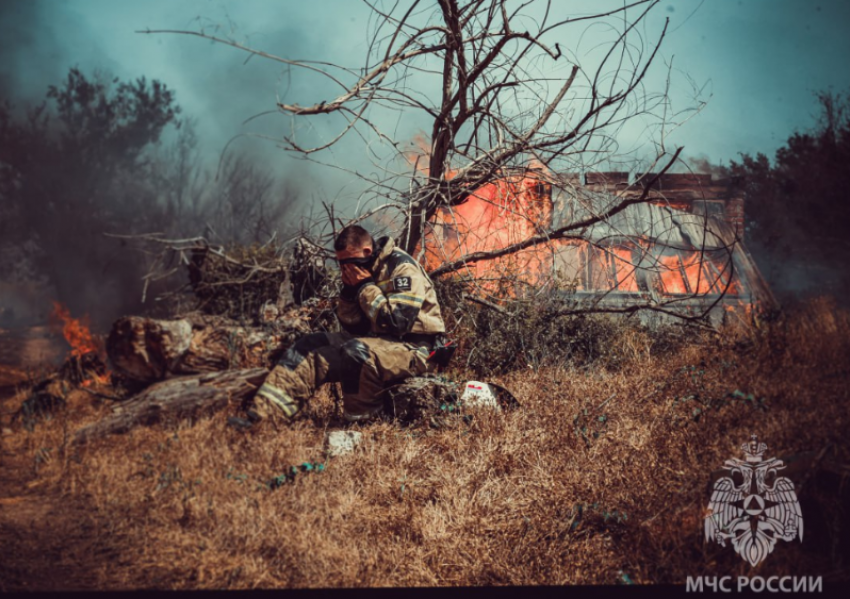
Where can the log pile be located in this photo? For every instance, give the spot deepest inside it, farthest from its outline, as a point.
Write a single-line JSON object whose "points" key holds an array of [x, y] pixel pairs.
{"points": [[146, 350], [243, 317], [196, 364]]}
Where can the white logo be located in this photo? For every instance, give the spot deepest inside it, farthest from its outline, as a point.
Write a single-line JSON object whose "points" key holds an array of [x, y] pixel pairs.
{"points": [[746, 508]]}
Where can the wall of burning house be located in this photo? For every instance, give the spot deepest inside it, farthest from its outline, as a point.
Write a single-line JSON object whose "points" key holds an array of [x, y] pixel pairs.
{"points": [[492, 217], [685, 244], [687, 192]]}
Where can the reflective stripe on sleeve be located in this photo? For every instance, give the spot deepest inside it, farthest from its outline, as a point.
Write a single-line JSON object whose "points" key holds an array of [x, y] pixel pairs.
{"points": [[279, 399], [410, 300]]}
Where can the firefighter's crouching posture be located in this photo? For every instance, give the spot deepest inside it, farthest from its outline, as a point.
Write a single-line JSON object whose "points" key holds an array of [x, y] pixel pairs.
{"points": [[389, 312]]}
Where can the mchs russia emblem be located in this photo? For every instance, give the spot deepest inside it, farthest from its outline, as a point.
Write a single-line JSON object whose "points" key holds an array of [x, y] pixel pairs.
{"points": [[753, 507]]}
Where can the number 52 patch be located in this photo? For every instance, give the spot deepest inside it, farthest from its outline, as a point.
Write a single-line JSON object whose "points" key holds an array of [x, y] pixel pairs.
{"points": [[401, 284]]}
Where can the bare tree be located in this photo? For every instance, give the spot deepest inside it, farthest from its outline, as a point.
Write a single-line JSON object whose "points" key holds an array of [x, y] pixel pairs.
{"points": [[505, 97]]}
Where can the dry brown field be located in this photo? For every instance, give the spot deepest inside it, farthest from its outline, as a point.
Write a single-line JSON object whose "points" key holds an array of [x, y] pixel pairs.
{"points": [[603, 476]]}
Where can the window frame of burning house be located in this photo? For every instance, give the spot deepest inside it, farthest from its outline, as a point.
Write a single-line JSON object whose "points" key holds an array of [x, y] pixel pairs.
{"points": [[604, 264], [599, 269], [711, 279], [735, 287]]}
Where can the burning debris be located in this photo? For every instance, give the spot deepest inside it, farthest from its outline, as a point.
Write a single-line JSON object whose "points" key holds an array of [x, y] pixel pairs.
{"points": [[85, 365]]}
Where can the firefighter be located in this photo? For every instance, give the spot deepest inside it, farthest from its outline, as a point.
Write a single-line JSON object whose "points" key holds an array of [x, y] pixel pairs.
{"points": [[391, 323]]}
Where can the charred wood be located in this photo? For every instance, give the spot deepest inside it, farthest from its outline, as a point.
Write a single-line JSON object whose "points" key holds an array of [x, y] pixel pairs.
{"points": [[176, 399]]}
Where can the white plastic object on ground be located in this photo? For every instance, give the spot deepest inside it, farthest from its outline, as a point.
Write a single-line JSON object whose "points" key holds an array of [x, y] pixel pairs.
{"points": [[477, 394], [340, 442]]}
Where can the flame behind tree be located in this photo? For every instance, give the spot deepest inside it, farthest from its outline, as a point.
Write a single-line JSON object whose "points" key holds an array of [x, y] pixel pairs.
{"points": [[494, 216]]}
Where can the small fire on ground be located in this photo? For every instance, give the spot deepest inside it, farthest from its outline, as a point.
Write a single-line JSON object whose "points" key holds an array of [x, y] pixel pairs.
{"points": [[86, 362]]}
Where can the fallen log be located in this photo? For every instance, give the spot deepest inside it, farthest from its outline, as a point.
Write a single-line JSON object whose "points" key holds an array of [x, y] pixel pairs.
{"points": [[146, 350], [176, 399]]}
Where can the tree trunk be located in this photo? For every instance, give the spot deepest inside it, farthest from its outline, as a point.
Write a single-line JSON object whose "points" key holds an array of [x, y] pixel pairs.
{"points": [[177, 399], [144, 349]]}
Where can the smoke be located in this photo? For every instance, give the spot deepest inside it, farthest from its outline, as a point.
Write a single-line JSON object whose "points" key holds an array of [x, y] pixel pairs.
{"points": [[39, 42], [215, 86], [702, 164], [789, 261], [219, 86], [19, 38], [221, 91]]}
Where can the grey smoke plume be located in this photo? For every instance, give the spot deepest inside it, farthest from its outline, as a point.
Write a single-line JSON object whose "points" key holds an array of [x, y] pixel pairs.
{"points": [[40, 41]]}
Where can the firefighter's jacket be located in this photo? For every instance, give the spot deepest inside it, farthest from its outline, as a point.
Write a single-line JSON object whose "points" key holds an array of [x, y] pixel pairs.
{"points": [[398, 300]]}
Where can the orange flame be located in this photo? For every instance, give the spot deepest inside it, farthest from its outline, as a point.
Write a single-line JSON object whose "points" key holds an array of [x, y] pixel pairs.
{"points": [[420, 156], [691, 273], [505, 211], [77, 333]]}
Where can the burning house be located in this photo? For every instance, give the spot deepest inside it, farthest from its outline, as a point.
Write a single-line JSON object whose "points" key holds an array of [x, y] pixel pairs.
{"points": [[680, 252]]}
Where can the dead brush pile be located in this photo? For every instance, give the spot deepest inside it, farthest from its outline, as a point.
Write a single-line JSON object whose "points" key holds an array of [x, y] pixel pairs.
{"points": [[602, 476], [533, 334], [236, 281]]}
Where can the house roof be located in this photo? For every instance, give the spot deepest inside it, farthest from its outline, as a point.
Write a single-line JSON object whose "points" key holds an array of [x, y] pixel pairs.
{"points": [[663, 225]]}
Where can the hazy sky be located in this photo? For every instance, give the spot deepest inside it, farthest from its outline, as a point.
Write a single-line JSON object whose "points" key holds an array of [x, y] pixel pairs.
{"points": [[757, 62]]}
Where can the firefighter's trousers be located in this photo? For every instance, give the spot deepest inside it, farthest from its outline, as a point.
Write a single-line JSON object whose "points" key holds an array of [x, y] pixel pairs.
{"points": [[364, 366]]}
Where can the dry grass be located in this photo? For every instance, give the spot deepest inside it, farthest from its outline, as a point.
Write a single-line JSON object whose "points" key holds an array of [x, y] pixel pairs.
{"points": [[603, 471]]}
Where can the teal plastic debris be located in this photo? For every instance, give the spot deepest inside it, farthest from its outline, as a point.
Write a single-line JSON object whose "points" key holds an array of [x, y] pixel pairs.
{"points": [[279, 481]]}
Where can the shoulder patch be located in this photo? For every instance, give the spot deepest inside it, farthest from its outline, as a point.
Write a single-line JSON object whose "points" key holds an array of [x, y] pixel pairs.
{"points": [[402, 284]]}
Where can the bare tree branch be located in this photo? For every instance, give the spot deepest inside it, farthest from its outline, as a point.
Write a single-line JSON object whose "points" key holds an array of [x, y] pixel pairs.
{"points": [[502, 95]]}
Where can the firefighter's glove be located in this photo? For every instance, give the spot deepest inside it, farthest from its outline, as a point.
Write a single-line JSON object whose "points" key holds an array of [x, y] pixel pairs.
{"points": [[350, 292], [353, 274]]}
